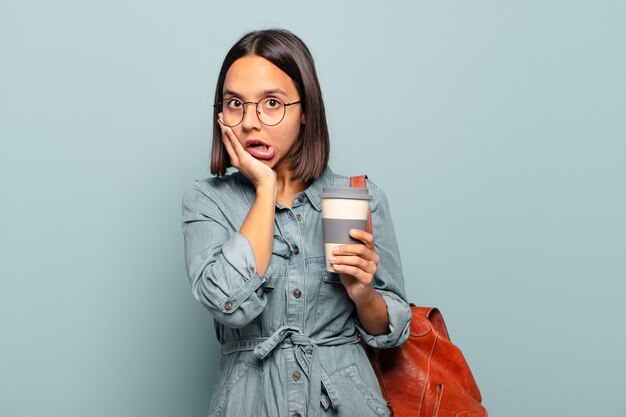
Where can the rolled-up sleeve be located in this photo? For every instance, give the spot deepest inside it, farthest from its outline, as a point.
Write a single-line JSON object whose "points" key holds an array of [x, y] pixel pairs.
{"points": [[220, 262], [388, 281]]}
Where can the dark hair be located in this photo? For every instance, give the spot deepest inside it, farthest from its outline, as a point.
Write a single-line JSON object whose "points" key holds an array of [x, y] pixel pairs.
{"points": [[309, 155]]}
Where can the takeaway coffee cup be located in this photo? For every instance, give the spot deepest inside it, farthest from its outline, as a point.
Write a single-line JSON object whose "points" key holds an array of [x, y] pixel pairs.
{"points": [[343, 208]]}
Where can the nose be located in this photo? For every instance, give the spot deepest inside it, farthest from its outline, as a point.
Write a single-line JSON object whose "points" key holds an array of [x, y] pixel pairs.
{"points": [[250, 118]]}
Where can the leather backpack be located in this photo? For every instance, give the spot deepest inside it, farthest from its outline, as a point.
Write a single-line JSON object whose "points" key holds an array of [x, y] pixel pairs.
{"points": [[427, 375]]}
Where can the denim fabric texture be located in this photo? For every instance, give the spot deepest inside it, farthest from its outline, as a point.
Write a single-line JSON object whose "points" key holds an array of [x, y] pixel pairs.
{"points": [[290, 337]]}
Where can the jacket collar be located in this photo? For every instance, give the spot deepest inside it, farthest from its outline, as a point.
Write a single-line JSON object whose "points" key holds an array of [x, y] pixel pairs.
{"points": [[315, 189], [313, 192]]}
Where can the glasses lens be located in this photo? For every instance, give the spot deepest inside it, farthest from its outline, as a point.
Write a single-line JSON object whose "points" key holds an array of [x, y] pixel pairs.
{"points": [[232, 110], [271, 111]]}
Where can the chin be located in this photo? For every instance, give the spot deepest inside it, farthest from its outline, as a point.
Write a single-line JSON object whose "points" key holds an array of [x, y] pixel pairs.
{"points": [[269, 162]]}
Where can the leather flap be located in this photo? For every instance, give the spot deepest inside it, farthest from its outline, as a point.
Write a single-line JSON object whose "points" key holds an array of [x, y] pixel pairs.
{"points": [[434, 315], [420, 326]]}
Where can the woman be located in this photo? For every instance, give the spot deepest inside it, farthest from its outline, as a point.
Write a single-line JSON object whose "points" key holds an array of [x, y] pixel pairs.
{"points": [[255, 255]]}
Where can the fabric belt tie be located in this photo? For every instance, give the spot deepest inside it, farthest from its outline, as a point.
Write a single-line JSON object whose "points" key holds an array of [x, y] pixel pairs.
{"points": [[307, 354]]}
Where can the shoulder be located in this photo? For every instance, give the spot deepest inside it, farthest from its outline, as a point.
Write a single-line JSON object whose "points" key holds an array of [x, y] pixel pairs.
{"points": [[213, 188], [216, 185], [374, 190]]}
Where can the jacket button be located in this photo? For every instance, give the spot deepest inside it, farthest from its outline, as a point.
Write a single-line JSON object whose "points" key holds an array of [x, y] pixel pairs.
{"points": [[301, 197], [296, 250], [228, 306], [299, 217], [297, 293], [295, 376]]}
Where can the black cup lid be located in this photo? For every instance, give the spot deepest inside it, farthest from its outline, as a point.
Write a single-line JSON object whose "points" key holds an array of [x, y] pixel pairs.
{"points": [[345, 192]]}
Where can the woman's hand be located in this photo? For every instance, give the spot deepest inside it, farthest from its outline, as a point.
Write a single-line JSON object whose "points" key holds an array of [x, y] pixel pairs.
{"points": [[357, 265], [256, 171], [258, 226]]}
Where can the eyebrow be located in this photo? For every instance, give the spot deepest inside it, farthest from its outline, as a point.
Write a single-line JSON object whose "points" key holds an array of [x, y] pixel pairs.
{"points": [[263, 93]]}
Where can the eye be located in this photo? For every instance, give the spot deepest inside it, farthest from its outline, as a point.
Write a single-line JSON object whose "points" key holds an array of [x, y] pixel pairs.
{"points": [[272, 104], [233, 103]]}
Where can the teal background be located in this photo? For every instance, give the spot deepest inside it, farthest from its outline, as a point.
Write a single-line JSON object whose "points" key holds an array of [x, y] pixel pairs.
{"points": [[496, 128]]}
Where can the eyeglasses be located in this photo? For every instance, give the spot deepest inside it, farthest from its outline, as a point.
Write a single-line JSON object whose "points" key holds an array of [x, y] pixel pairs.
{"points": [[270, 111]]}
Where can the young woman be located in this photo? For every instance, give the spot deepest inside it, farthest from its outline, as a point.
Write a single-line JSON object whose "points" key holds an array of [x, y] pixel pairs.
{"points": [[254, 249]]}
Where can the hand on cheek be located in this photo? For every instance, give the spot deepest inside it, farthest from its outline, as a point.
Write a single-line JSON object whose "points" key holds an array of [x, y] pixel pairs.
{"points": [[256, 171]]}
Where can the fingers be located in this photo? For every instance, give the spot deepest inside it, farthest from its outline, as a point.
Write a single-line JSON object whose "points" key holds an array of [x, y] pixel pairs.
{"points": [[359, 251], [231, 143], [358, 260], [365, 250], [255, 170], [363, 236], [234, 159], [362, 264], [364, 278]]}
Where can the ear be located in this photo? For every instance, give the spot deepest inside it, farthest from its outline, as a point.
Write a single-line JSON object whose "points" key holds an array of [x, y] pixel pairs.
{"points": [[302, 119]]}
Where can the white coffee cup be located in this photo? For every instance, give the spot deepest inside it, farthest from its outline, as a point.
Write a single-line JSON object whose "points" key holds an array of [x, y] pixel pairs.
{"points": [[343, 208]]}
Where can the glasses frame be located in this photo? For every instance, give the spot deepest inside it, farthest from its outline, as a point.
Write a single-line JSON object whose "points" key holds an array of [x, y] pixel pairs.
{"points": [[256, 110]]}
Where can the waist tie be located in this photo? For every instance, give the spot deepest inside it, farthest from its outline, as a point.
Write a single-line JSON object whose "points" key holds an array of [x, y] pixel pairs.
{"points": [[307, 355]]}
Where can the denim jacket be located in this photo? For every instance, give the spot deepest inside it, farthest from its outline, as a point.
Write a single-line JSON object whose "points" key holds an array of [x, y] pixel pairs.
{"points": [[290, 337]]}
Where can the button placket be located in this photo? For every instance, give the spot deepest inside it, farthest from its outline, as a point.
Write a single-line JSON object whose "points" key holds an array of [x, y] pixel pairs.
{"points": [[295, 394], [295, 270]]}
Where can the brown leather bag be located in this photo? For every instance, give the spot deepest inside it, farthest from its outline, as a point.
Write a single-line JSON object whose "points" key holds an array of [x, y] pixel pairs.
{"points": [[427, 375]]}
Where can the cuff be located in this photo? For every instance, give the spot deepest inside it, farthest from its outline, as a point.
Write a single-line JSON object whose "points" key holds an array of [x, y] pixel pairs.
{"points": [[399, 313]]}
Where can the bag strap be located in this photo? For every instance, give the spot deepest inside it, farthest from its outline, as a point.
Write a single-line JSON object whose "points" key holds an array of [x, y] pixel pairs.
{"points": [[359, 182]]}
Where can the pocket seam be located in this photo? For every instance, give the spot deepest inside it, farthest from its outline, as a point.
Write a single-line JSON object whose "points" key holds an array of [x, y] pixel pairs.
{"points": [[324, 281], [351, 372], [234, 376]]}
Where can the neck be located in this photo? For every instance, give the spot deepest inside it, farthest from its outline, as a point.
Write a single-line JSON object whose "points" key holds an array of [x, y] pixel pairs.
{"points": [[288, 188]]}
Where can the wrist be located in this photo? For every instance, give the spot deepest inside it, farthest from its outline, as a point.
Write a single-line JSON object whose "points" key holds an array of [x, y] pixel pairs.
{"points": [[267, 188], [366, 298]]}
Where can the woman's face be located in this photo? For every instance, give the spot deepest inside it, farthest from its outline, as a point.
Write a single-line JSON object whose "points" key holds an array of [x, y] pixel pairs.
{"points": [[255, 79]]}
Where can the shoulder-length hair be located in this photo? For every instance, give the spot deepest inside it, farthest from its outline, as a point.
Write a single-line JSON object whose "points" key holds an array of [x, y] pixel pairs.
{"points": [[309, 155]]}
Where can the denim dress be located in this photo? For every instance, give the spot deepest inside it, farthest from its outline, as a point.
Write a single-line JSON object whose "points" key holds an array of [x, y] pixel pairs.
{"points": [[290, 338]]}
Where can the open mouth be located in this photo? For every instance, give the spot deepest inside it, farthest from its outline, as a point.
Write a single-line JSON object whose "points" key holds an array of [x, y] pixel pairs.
{"points": [[260, 147], [259, 150]]}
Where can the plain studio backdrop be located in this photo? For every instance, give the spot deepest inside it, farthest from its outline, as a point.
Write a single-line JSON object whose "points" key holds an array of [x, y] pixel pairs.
{"points": [[496, 128]]}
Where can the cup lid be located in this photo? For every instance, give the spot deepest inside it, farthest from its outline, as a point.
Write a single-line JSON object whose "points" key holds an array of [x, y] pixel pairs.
{"points": [[345, 192]]}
